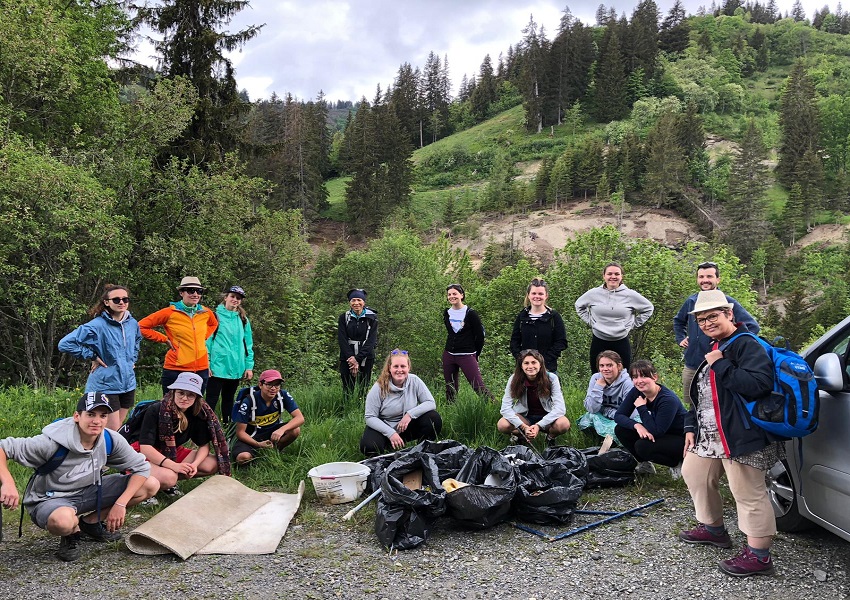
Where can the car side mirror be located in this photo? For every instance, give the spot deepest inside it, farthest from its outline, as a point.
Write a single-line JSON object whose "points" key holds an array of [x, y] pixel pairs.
{"points": [[829, 372]]}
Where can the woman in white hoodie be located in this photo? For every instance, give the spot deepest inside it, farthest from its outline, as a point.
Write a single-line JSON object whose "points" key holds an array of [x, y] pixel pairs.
{"points": [[612, 311]]}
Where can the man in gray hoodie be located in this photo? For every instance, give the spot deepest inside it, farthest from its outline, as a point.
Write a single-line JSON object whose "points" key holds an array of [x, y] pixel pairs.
{"points": [[56, 500]]}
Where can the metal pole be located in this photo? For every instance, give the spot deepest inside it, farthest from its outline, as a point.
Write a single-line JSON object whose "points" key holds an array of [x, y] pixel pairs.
{"points": [[572, 532]]}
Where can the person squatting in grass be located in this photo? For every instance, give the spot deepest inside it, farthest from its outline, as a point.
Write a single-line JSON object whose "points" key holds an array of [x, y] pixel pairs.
{"points": [[659, 435], [231, 351], [399, 408], [357, 335], [111, 341], [187, 326], [533, 401], [728, 441], [464, 342], [258, 414], [182, 416], [539, 327], [605, 393], [72, 498]]}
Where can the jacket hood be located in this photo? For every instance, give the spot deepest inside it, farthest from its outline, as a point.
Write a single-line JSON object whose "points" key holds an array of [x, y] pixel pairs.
{"points": [[65, 432], [222, 313], [111, 320], [620, 288]]}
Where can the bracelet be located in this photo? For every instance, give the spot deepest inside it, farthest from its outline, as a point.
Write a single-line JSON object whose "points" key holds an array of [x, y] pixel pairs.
{"points": [[119, 504], [164, 458]]}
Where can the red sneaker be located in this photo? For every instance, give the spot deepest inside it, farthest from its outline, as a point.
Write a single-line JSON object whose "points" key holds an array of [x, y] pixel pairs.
{"points": [[701, 535], [746, 564]]}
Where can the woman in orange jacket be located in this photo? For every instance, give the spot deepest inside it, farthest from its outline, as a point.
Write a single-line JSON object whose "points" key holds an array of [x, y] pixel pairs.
{"points": [[187, 326]]}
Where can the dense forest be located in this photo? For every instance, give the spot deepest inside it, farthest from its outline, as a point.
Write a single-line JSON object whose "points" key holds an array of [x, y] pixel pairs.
{"points": [[117, 172]]}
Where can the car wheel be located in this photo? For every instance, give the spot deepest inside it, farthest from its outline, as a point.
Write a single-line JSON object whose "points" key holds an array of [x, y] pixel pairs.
{"points": [[783, 498]]}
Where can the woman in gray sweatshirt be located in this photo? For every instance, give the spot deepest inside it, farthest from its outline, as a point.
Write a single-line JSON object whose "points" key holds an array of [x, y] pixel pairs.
{"points": [[612, 311]]}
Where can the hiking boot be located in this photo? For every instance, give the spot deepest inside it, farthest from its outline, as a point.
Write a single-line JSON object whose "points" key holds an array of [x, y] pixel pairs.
{"points": [[645, 468], [746, 564], [69, 548], [173, 492], [98, 532], [701, 535]]}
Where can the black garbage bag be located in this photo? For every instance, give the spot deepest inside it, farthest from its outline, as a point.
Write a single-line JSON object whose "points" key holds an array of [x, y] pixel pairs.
{"points": [[486, 501], [377, 465], [573, 459], [400, 527], [449, 456], [404, 517], [615, 468], [547, 489]]}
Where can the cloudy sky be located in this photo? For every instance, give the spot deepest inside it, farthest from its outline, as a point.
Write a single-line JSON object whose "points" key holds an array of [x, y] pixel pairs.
{"points": [[347, 47]]}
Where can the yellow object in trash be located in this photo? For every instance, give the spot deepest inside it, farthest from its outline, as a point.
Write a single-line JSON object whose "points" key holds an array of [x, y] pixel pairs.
{"points": [[451, 485]]}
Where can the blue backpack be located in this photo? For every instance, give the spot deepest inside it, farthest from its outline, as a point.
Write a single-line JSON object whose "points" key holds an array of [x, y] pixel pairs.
{"points": [[791, 410]]}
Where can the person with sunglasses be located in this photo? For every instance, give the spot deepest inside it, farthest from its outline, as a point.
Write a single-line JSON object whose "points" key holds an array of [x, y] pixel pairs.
{"points": [[612, 311], [727, 441], [464, 342], [111, 341], [689, 335], [231, 349], [399, 408], [187, 326], [533, 401], [357, 334], [539, 327]]}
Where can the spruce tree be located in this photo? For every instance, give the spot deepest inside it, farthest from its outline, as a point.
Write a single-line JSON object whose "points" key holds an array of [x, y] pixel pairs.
{"points": [[799, 121], [745, 209], [609, 96], [665, 162]]}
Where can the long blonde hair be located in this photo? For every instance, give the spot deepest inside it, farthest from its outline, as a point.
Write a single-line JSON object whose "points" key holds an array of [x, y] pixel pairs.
{"points": [[384, 378]]}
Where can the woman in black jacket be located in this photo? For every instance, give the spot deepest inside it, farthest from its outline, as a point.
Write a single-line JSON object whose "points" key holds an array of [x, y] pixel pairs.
{"points": [[464, 341], [727, 441], [538, 327], [357, 334]]}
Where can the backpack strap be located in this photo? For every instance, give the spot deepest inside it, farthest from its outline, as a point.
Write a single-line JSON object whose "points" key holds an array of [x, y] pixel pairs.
{"points": [[49, 466]]}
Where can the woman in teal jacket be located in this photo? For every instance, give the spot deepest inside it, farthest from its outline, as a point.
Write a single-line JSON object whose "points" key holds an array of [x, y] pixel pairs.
{"points": [[111, 341], [231, 350]]}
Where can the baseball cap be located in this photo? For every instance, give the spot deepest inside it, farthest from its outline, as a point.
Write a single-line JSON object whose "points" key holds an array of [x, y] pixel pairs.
{"points": [[92, 400], [270, 375]]}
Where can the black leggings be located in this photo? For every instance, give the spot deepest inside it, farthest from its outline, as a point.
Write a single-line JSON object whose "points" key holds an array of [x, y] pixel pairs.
{"points": [[424, 427], [622, 347], [667, 449], [226, 388]]}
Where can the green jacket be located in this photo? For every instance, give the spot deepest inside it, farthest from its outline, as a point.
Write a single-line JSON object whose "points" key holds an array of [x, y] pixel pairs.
{"points": [[231, 347]]}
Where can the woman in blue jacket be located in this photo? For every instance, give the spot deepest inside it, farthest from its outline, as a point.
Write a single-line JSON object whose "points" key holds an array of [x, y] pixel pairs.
{"points": [[231, 350], [111, 341]]}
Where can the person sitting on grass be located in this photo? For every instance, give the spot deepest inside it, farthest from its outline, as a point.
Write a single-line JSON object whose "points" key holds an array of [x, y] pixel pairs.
{"points": [[399, 408], [72, 498], [605, 394], [533, 401], [258, 414], [180, 417]]}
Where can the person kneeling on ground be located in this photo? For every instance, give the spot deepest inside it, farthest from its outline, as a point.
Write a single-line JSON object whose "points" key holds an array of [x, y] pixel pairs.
{"points": [[659, 437], [533, 401], [399, 408], [77, 486], [258, 414], [182, 416], [605, 394]]}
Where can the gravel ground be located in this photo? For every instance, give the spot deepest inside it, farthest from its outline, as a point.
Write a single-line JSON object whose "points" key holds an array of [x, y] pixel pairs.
{"points": [[323, 557]]}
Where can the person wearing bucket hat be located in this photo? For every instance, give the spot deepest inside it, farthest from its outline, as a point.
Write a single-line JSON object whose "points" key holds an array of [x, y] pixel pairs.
{"points": [[187, 325], [231, 350], [357, 334], [180, 417], [688, 335], [728, 442], [258, 415], [70, 499]]}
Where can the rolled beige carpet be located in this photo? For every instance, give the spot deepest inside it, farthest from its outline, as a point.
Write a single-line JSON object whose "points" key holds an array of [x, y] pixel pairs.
{"points": [[193, 521]]}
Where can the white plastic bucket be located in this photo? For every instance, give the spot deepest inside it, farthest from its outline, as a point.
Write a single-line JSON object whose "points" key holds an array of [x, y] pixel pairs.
{"points": [[339, 482]]}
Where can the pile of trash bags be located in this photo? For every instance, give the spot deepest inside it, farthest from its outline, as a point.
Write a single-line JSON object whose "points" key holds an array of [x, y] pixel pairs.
{"points": [[483, 487]]}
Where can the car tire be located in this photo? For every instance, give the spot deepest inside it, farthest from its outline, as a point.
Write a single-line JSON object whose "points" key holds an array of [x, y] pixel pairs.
{"points": [[783, 499]]}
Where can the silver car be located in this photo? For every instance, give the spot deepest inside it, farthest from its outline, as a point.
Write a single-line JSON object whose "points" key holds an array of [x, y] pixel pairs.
{"points": [[816, 489]]}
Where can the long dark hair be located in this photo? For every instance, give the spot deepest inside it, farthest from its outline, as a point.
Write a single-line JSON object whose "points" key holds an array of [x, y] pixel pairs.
{"points": [[102, 304], [544, 385]]}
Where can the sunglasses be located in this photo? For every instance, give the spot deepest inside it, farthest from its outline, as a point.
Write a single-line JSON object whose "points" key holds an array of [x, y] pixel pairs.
{"points": [[193, 290], [124, 300], [398, 351], [538, 282]]}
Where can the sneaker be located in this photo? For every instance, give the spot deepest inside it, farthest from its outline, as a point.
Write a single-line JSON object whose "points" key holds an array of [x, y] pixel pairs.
{"points": [[69, 548], [701, 535], [513, 440], [645, 468], [98, 532], [551, 442], [746, 564], [174, 492], [676, 472], [152, 501]]}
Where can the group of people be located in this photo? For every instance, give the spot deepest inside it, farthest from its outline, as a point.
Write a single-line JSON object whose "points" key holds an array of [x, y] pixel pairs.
{"points": [[210, 352]]}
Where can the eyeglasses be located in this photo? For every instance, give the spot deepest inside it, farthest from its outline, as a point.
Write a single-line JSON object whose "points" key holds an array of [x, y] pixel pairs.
{"points": [[398, 351], [276, 384], [191, 291], [707, 265], [708, 319], [124, 300]]}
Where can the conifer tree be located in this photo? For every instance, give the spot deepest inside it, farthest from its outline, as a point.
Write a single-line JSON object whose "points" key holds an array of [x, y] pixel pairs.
{"points": [[560, 180], [609, 96], [675, 30], [745, 209], [485, 90], [665, 162], [799, 121]]}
